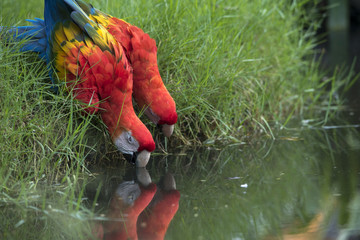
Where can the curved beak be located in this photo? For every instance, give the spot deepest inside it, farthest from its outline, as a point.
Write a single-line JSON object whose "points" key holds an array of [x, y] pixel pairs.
{"points": [[168, 182], [140, 159], [143, 176], [168, 130]]}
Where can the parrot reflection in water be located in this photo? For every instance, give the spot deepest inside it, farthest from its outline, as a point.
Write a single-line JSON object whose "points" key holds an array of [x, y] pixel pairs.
{"points": [[139, 209]]}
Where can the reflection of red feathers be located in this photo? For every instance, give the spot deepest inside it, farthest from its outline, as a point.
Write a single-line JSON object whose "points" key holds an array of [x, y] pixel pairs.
{"points": [[154, 221], [140, 211], [124, 217]]}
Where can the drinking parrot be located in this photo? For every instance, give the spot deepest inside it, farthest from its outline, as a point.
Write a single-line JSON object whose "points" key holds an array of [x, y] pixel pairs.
{"points": [[149, 90], [95, 68]]}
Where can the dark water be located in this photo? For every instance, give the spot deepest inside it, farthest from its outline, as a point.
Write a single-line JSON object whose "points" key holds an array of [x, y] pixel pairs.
{"points": [[303, 185]]}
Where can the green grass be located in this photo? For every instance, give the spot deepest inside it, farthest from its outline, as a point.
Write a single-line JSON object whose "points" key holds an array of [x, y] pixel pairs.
{"points": [[236, 71], [232, 68]]}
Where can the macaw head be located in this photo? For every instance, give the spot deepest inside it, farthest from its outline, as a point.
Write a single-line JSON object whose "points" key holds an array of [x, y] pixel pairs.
{"points": [[136, 147], [162, 111], [128, 133]]}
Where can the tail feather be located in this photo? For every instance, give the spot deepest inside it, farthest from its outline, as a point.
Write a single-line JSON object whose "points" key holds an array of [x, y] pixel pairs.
{"points": [[34, 34]]}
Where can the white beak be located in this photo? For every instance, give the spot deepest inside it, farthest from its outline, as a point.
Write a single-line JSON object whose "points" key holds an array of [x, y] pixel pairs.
{"points": [[169, 182], [143, 176], [142, 158], [168, 130]]}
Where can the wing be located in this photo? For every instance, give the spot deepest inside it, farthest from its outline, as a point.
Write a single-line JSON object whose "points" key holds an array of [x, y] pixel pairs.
{"points": [[149, 89], [117, 27], [94, 66], [90, 62]]}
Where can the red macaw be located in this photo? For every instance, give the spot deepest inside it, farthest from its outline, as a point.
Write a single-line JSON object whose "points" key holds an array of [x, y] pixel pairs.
{"points": [[96, 69], [124, 211], [149, 90]]}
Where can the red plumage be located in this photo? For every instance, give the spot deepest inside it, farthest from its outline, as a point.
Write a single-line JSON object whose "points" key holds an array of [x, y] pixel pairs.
{"points": [[103, 79], [149, 89]]}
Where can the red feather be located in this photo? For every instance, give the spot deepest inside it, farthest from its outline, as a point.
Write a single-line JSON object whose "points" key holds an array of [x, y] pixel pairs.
{"points": [[103, 79], [149, 89]]}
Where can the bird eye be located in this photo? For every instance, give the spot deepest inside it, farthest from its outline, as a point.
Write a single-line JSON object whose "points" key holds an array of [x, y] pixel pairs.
{"points": [[130, 139]]}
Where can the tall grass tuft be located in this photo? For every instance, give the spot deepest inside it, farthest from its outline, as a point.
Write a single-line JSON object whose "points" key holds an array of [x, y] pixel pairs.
{"points": [[43, 142], [232, 67]]}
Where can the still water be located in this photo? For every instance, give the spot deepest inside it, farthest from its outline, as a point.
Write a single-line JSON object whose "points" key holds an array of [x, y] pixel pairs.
{"points": [[302, 185]]}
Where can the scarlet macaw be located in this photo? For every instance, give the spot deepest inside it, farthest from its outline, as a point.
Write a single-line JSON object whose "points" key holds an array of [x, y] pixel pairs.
{"points": [[95, 67], [149, 90]]}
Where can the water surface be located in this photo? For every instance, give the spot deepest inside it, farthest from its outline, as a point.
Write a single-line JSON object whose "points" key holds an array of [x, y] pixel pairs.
{"points": [[302, 185]]}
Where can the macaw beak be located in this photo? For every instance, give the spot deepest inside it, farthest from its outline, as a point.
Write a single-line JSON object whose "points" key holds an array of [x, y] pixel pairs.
{"points": [[140, 159], [167, 130], [168, 182], [143, 176]]}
